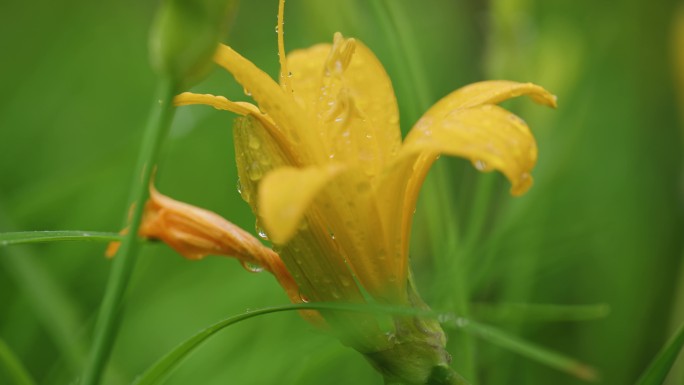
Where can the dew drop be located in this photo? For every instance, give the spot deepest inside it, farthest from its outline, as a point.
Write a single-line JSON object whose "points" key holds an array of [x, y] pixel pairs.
{"points": [[252, 267], [481, 165], [239, 186], [254, 143], [461, 322], [303, 298], [391, 337], [246, 91], [254, 172], [262, 234]]}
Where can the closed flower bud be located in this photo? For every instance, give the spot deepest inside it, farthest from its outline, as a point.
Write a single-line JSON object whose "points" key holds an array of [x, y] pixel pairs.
{"points": [[185, 35]]}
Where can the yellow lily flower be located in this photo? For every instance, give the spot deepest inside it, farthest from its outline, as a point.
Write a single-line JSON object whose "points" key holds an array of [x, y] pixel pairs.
{"points": [[322, 163]]}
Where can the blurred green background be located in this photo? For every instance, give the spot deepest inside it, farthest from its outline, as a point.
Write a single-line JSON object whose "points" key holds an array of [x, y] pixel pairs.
{"points": [[602, 225]]}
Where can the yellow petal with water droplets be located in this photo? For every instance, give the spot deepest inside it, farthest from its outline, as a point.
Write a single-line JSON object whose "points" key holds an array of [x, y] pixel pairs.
{"points": [[278, 105], [488, 135], [282, 207], [256, 154], [222, 103], [353, 99], [490, 92]]}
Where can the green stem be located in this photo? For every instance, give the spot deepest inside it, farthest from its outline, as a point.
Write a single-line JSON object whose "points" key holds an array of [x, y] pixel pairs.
{"points": [[444, 237], [107, 323]]}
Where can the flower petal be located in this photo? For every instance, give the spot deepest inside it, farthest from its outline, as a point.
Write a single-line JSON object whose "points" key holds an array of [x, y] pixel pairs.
{"points": [[464, 123], [353, 99], [218, 102], [256, 154], [280, 106], [195, 233], [338, 204], [488, 135], [490, 92], [281, 208]]}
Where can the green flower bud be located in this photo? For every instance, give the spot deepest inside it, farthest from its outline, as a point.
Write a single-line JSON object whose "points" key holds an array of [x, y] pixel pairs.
{"points": [[185, 35]]}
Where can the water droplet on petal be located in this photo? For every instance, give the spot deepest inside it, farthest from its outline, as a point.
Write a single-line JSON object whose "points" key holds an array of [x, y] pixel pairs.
{"points": [[481, 165], [262, 234], [254, 171], [246, 91], [461, 322], [239, 186], [252, 267], [254, 142]]}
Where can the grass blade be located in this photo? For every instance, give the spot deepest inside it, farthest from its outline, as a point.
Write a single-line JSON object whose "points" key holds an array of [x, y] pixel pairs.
{"points": [[663, 361], [15, 238], [160, 370], [16, 371], [529, 312], [527, 349]]}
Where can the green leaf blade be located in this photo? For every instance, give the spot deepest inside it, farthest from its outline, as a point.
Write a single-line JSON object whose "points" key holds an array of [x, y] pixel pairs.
{"points": [[21, 237], [656, 373]]}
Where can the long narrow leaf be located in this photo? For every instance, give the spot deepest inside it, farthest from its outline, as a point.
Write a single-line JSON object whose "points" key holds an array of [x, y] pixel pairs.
{"points": [[530, 312], [528, 349], [15, 238], [663, 361], [159, 371], [13, 366]]}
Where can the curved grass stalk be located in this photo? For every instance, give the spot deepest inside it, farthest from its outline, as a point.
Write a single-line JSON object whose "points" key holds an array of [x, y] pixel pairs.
{"points": [[161, 369]]}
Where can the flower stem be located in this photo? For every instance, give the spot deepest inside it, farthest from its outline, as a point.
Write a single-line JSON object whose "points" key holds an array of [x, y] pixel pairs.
{"points": [[107, 323]]}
